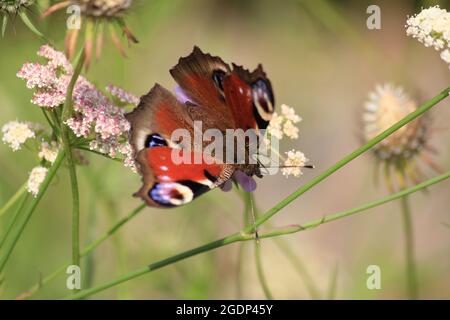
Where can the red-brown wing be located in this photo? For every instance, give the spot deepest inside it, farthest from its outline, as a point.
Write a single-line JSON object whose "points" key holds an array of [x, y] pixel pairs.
{"points": [[168, 183], [158, 113], [249, 97], [200, 77]]}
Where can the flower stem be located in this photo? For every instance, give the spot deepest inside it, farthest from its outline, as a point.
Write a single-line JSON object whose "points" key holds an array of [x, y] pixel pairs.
{"points": [[260, 271], [14, 219], [409, 249], [88, 249], [13, 200], [29, 211], [242, 236], [67, 112], [423, 108], [250, 208], [299, 267]]}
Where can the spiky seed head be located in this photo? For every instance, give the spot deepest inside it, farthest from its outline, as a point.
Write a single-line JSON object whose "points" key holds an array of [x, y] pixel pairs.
{"points": [[13, 6], [103, 8], [386, 106]]}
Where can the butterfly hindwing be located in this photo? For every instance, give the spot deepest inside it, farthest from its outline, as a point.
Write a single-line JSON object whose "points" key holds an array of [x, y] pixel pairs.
{"points": [[168, 183]]}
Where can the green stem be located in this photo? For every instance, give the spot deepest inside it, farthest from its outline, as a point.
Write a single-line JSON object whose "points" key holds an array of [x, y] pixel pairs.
{"points": [[111, 231], [242, 236], [29, 211], [260, 272], [239, 271], [409, 249], [300, 267], [423, 108], [249, 206], [88, 249], [160, 264], [296, 262], [14, 219], [333, 283], [67, 112], [13, 199]]}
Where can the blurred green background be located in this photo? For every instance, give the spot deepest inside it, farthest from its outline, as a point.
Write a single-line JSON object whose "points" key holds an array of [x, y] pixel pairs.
{"points": [[323, 61]]}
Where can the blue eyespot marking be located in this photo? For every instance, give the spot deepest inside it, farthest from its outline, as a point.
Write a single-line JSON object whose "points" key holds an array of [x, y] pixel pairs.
{"points": [[155, 140]]}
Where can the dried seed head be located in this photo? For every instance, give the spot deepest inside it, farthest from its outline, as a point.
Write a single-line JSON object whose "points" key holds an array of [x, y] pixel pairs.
{"points": [[103, 8], [13, 6], [386, 106], [108, 12], [403, 154]]}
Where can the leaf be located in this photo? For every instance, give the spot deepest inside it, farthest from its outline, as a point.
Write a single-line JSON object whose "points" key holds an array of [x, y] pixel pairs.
{"points": [[332, 288], [5, 22], [29, 24]]}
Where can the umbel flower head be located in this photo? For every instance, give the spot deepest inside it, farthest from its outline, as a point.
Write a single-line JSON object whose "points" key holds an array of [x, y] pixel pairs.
{"points": [[432, 28], [17, 134], [96, 16], [385, 106], [9, 9], [98, 120]]}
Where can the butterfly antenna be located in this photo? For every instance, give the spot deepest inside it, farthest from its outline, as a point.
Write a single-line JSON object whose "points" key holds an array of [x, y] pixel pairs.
{"points": [[252, 206]]}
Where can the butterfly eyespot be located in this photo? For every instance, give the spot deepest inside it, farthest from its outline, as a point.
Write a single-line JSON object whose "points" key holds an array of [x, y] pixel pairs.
{"points": [[170, 194], [155, 140], [263, 102], [218, 76], [262, 95]]}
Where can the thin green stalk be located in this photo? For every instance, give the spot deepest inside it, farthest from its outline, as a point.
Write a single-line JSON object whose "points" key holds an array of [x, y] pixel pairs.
{"points": [[413, 115], [239, 273], [88, 249], [290, 255], [409, 249], [249, 206], [243, 236], [113, 230], [67, 112], [160, 264], [333, 283], [14, 219], [29, 211], [299, 267], [260, 271], [13, 199]]}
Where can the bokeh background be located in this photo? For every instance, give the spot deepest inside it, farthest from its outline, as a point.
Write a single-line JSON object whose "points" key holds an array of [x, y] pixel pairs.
{"points": [[323, 61]]}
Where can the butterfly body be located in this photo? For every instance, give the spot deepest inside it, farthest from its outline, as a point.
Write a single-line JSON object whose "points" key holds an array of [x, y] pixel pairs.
{"points": [[213, 94]]}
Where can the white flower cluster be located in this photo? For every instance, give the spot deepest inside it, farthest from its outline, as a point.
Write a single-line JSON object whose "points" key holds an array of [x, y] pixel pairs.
{"points": [[15, 134], [49, 151], [281, 125], [432, 28], [294, 163], [284, 124], [37, 176]]}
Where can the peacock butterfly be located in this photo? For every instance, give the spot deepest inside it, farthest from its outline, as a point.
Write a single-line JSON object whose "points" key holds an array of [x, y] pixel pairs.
{"points": [[210, 91]]}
